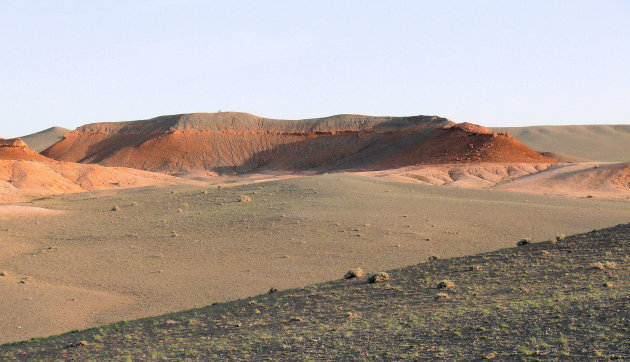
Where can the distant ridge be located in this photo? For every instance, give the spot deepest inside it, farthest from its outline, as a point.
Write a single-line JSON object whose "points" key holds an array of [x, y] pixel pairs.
{"points": [[41, 140], [586, 142], [241, 142]]}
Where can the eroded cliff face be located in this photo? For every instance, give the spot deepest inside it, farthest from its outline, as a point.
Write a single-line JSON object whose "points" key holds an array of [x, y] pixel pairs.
{"points": [[16, 149], [239, 142]]}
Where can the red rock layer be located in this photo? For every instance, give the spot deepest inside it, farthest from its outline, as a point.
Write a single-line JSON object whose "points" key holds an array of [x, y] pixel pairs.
{"points": [[243, 142], [16, 149]]}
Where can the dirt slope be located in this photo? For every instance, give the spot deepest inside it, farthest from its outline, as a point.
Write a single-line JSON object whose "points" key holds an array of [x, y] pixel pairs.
{"points": [[230, 141], [588, 142], [42, 140], [183, 247], [22, 180], [25, 174], [588, 179], [565, 300]]}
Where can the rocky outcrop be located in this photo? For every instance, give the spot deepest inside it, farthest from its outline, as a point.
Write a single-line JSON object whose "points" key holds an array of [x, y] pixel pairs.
{"points": [[240, 142]]}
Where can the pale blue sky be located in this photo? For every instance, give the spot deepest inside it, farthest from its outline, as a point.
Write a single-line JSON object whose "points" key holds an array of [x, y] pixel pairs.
{"points": [[504, 62]]}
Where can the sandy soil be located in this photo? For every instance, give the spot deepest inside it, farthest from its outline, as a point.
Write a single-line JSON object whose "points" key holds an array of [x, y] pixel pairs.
{"points": [[13, 211], [169, 249]]}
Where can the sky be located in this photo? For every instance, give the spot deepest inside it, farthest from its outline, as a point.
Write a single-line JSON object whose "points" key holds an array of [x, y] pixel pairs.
{"points": [[494, 63]]}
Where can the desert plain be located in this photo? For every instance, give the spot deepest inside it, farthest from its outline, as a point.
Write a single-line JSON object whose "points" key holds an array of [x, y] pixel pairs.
{"points": [[119, 221]]}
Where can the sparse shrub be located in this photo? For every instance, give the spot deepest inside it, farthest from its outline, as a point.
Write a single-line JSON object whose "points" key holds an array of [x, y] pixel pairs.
{"points": [[602, 266], [378, 277], [610, 265], [272, 290], [442, 296], [524, 242], [354, 273], [445, 284]]}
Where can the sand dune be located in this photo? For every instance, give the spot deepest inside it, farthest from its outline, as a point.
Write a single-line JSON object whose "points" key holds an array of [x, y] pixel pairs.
{"points": [[42, 140], [239, 142], [587, 142]]}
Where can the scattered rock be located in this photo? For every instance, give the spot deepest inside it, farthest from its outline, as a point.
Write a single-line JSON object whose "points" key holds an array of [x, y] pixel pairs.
{"points": [[116, 208], [378, 277], [490, 355], [354, 273], [272, 290], [3, 273], [524, 242], [244, 198], [445, 284]]}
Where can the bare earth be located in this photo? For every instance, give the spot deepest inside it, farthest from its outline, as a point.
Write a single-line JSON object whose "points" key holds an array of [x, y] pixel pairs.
{"points": [[169, 249]]}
